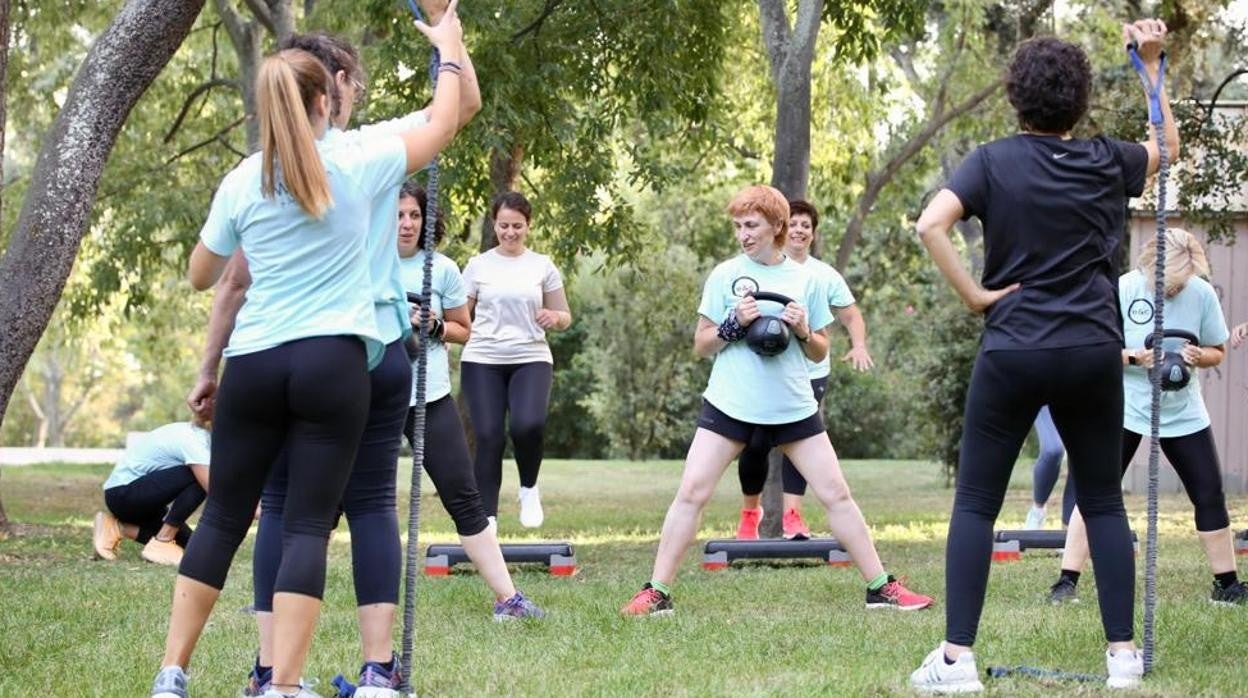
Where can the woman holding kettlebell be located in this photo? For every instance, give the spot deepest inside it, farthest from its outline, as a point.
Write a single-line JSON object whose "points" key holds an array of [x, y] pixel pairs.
{"points": [[1192, 313], [760, 381]]}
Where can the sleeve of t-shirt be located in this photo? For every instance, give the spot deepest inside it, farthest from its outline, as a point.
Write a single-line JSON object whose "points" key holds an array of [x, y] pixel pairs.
{"points": [[381, 165], [839, 295], [453, 292], [392, 127], [970, 184], [818, 314], [1134, 159], [712, 307], [1213, 330], [195, 448], [470, 277], [219, 234], [552, 280]]}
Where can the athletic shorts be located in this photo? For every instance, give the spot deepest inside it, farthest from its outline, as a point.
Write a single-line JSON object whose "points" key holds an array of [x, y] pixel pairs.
{"points": [[712, 419]]}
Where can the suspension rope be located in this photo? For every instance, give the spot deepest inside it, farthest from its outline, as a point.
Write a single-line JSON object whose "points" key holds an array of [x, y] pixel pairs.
{"points": [[411, 564], [1157, 122]]}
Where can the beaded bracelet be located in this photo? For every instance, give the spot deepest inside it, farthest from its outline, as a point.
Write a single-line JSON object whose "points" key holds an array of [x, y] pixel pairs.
{"points": [[730, 330]]}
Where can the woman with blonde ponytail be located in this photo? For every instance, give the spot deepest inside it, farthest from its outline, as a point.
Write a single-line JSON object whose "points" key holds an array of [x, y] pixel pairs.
{"points": [[297, 382], [1186, 436]]}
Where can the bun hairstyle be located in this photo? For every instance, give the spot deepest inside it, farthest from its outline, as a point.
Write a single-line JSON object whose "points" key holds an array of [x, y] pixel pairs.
{"points": [[287, 87]]}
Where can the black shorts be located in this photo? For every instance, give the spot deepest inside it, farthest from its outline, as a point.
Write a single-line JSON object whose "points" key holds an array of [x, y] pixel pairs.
{"points": [[712, 419]]}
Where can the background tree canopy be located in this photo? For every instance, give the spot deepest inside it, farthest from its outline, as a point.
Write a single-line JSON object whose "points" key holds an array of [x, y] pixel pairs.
{"points": [[629, 124]]}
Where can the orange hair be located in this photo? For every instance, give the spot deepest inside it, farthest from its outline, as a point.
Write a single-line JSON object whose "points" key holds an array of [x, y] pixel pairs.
{"points": [[766, 201]]}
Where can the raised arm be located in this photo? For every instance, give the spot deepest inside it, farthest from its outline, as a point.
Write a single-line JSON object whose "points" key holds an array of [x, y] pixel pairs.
{"points": [[469, 90], [1149, 36], [425, 142]]}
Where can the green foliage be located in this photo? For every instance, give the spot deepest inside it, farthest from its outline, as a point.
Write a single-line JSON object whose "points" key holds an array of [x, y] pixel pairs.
{"points": [[866, 414], [648, 382], [943, 368], [568, 433]]}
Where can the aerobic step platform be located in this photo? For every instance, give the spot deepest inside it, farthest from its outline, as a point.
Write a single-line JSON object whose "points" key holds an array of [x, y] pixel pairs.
{"points": [[1008, 546], [558, 557], [1241, 542], [720, 553]]}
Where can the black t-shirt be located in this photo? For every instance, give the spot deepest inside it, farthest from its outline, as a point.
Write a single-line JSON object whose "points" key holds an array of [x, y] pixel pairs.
{"points": [[1054, 212]]}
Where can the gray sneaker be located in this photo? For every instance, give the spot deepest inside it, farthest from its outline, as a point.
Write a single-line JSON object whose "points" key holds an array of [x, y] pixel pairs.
{"points": [[1064, 591], [170, 683], [1234, 595], [515, 608], [304, 692]]}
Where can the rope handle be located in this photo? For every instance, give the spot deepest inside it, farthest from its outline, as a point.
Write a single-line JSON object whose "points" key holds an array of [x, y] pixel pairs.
{"points": [[1153, 90]]}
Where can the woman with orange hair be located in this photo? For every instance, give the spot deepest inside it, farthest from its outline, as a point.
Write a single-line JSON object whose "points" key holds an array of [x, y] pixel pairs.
{"points": [[750, 392]]}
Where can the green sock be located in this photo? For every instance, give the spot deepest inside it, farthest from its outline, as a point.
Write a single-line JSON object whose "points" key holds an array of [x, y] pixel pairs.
{"points": [[878, 583], [656, 584]]}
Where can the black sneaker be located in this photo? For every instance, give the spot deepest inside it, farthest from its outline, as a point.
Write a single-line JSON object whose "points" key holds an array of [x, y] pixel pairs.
{"points": [[1234, 595], [1064, 591]]}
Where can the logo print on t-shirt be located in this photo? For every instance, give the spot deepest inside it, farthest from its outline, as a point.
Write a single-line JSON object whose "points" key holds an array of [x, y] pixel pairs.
{"points": [[743, 286], [1140, 311], [1059, 156]]}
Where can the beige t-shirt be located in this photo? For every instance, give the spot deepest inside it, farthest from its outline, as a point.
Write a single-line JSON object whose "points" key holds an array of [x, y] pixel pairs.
{"points": [[509, 292]]}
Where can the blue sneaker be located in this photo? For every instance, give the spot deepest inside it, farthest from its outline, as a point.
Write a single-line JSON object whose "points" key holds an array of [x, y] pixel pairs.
{"points": [[258, 682], [170, 683], [378, 682], [515, 608]]}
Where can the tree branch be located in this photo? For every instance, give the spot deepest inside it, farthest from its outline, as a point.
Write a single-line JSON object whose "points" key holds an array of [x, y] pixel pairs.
{"points": [[210, 140], [34, 402], [809, 14], [190, 99], [776, 34], [233, 21], [535, 26], [263, 15]]}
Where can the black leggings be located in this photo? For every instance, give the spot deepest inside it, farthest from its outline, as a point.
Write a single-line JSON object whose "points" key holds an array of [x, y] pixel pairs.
{"points": [[162, 497], [1195, 460], [521, 394], [368, 502], [448, 465], [309, 397], [752, 465], [1083, 388]]}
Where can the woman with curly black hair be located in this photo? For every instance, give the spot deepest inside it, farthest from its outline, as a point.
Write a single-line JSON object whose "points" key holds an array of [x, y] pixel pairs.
{"points": [[1053, 209]]}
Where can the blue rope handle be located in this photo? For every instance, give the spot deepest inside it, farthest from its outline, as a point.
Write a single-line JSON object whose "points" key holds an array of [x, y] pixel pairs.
{"points": [[418, 417], [1157, 121]]}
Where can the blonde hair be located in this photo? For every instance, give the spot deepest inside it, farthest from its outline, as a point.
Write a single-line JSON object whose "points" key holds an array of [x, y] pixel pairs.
{"points": [[767, 202], [287, 86], [1185, 258]]}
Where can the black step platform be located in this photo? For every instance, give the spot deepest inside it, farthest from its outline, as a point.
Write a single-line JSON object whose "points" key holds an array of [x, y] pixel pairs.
{"points": [[1241, 542], [1010, 544], [720, 553], [558, 557]]}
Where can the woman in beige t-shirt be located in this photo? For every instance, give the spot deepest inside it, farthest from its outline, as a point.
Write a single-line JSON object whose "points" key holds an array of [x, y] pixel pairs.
{"points": [[515, 296]]}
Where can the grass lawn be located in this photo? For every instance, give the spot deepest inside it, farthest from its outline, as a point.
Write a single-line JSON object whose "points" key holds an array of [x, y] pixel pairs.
{"points": [[71, 626]]}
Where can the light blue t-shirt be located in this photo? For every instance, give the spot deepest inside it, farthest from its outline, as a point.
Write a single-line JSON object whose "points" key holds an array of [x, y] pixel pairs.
{"points": [[839, 296], [310, 277], [1195, 309], [447, 291], [382, 245], [762, 389], [170, 446]]}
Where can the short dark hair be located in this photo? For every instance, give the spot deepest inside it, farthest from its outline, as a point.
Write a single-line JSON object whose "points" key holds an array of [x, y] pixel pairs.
{"points": [[336, 54], [413, 190], [1049, 82], [515, 201], [802, 207]]}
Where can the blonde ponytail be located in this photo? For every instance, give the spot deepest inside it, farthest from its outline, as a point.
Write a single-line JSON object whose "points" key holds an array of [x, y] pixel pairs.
{"points": [[287, 86], [1185, 258]]}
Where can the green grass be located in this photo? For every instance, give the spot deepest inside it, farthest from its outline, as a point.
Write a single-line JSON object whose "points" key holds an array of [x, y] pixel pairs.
{"points": [[73, 626]]}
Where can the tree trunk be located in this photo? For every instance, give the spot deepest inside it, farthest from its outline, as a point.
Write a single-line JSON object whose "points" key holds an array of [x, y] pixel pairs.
{"points": [[117, 70], [5, 528], [504, 171], [246, 37], [790, 52]]}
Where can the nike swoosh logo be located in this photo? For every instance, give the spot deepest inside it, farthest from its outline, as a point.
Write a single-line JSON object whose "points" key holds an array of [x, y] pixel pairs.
{"points": [[1059, 156]]}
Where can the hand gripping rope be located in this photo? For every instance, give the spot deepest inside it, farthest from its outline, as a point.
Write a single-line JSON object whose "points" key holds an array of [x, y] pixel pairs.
{"points": [[1157, 122], [410, 567]]}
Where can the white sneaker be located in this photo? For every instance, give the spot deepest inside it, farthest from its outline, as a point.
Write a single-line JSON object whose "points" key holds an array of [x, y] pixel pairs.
{"points": [[935, 676], [170, 683], [1126, 668], [1035, 519], [531, 515]]}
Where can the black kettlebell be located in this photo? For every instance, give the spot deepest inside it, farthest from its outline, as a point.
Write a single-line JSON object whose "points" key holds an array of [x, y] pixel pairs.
{"points": [[768, 335], [1175, 373]]}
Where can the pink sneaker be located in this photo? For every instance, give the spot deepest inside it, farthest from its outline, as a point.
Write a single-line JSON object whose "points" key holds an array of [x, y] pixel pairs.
{"points": [[895, 595], [747, 528], [794, 527]]}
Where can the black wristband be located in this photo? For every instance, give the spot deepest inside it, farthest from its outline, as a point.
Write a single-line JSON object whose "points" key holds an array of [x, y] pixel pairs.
{"points": [[730, 330]]}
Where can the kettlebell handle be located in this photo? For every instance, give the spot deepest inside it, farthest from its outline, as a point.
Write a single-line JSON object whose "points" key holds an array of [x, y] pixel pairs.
{"points": [[1172, 334], [773, 297]]}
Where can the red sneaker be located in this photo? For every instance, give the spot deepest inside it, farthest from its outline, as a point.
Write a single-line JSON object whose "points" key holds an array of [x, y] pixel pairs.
{"points": [[895, 595], [649, 602], [794, 527], [747, 528]]}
